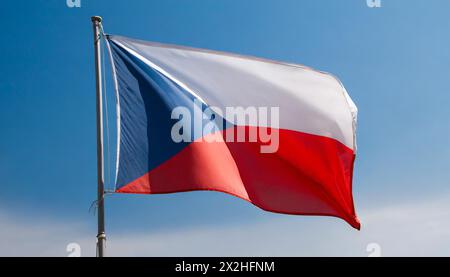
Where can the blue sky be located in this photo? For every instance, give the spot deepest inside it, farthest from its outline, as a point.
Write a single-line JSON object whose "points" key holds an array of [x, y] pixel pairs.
{"points": [[393, 60]]}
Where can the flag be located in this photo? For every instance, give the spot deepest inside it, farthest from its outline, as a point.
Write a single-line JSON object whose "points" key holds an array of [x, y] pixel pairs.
{"points": [[279, 135]]}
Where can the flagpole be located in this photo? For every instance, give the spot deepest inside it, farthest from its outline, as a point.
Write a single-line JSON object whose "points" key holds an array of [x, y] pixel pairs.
{"points": [[101, 236]]}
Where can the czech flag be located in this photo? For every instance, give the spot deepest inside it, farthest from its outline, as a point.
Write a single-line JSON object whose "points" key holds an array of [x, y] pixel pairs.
{"points": [[279, 135]]}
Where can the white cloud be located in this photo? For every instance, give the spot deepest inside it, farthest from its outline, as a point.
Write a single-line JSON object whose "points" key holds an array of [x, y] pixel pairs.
{"points": [[414, 229]]}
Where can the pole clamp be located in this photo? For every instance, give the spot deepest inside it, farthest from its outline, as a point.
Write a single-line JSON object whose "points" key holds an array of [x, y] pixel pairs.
{"points": [[101, 236]]}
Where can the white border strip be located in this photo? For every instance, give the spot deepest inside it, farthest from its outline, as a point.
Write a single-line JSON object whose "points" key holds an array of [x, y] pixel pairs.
{"points": [[351, 106], [116, 86]]}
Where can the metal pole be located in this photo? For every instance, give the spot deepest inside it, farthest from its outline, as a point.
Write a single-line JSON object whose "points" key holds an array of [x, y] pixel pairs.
{"points": [[101, 236]]}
